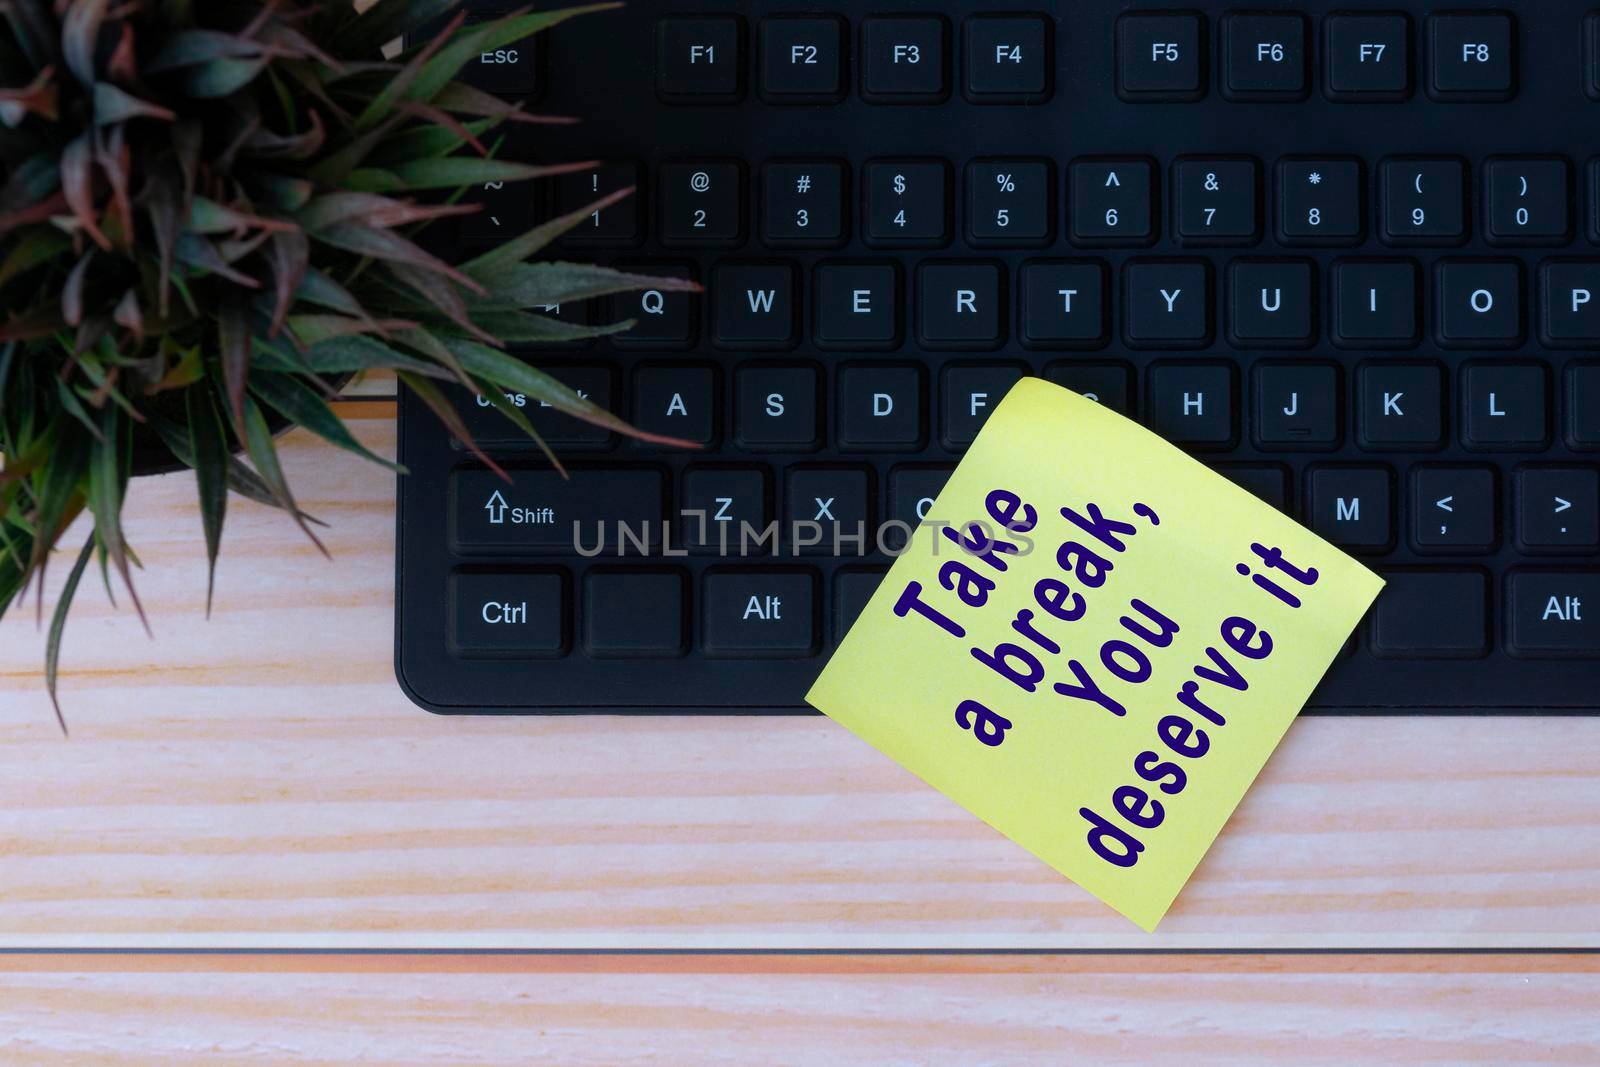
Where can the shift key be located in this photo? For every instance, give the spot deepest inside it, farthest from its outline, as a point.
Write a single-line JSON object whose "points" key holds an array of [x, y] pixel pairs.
{"points": [[541, 510]]}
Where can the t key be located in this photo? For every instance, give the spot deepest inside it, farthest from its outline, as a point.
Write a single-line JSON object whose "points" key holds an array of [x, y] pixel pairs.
{"points": [[1423, 201]]}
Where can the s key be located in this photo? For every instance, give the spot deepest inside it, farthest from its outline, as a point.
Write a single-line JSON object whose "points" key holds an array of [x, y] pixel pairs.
{"points": [[1423, 201]]}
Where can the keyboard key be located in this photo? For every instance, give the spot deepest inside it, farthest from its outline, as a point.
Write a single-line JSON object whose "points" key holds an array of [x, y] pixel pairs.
{"points": [[1471, 57], [1008, 58], [724, 509], [912, 492], [1109, 384], [1267, 482], [880, 407], [663, 318], [1319, 201], [1400, 406], [829, 510], [506, 210], [1504, 404], [1161, 57], [1216, 201], [856, 305], [1432, 615], [700, 60], [1591, 55], [1297, 404], [1558, 507], [677, 401], [1368, 56], [959, 305], [1270, 301], [1167, 304], [1192, 403], [488, 427], [1063, 304], [1423, 201], [1264, 56], [1110, 202], [1583, 404], [853, 589], [702, 203], [507, 613], [970, 395], [616, 224], [1454, 508], [904, 60], [541, 510], [1528, 201], [755, 305], [758, 613], [1479, 303], [776, 407], [908, 203], [1350, 505], [1553, 613], [633, 614], [802, 204], [1375, 303], [513, 70], [1008, 202], [1570, 313], [802, 59]]}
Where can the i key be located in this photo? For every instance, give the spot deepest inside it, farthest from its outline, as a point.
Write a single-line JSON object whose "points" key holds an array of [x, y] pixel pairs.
{"points": [[1423, 201]]}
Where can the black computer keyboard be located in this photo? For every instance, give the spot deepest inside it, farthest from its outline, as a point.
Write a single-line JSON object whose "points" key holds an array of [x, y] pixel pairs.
{"points": [[1348, 257]]}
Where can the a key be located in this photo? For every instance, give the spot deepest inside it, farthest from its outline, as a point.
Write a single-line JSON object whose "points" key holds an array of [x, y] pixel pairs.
{"points": [[880, 407], [829, 510], [1297, 404], [1553, 613], [1167, 304], [1110, 201], [1008, 58], [616, 224], [1432, 615], [971, 393], [912, 492], [1559, 507], [1319, 201], [904, 59], [755, 305], [1375, 303], [1583, 404], [521, 613], [1268, 482], [802, 59], [1008, 202], [1423, 201], [776, 407], [489, 427], [1570, 312], [1270, 302], [1527, 201], [852, 590], [1504, 405], [1264, 56], [1351, 506], [541, 510], [702, 203], [1192, 403], [1161, 57], [1399, 406], [724, 509], [677, 401], [803, 204], [1063, 303], [1453, 508], [856, 305], [700, 60], [958, 305], [1110, 384], [663, 318], [1471, 57], [1216, 201], [634, 614], [1368, 57], [1479, 303], [908, 202], [758, 613]]}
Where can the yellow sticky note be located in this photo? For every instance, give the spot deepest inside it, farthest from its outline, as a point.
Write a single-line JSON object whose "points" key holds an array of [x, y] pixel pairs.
{"points": [[1104, 663]]}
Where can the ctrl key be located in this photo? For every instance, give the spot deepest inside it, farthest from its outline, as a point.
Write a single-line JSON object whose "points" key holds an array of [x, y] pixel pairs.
{"points": [[508, 614], [759, 613], [1554, 613]]}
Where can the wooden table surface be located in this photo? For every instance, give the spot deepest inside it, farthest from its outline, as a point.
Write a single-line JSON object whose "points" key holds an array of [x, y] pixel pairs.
{"points": [[254, 846]]}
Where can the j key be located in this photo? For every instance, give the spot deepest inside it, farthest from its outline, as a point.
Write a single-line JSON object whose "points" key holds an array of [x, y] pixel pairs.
{"points": [[489, 427], [1479, 303], [1528, 202], [880, 407], [903, 60], [908, 203], [1008, 58], [1265, 56], [829, 510], [1110, 384], [803, 204], [519, 613], [802, 59], [616, 224], [1583, 404], [958, 305], [755, 304], [700, 59], [506, 210], [1351, 506], [912, 492], [852, 590], [1471, 56], [1192, 403], [1375, 303], [1267, 482], [1161, 57], [1423, 201], [1063, 304], [662, 318], [637, 614], [1297, 404], [1399, 406], [1453, 508], [756, 613], [1559, 507], [1432, 615], [1270, 302], [1008, 202], [1368, 56], [776, 407], [856, 305], [720, 504], [1110, 202], [539, 508], [1554, 613], [1319, 201], [970, 394], [702, 203], [1167, 304], [1570, 313], [1216, 201], [676, 401], [1504, 404]]}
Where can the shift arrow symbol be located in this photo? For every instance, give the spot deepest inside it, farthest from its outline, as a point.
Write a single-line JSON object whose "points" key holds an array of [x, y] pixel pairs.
{"points": [[1445, 503], [496, 507], [1562, 505]]}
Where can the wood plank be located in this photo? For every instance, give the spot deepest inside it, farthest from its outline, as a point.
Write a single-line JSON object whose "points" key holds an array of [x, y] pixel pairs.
{"points": [[1316, 1010], [258, 780]]}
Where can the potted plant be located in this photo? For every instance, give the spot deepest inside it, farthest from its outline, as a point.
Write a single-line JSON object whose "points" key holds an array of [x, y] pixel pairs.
{"points": [[209, 217]]}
